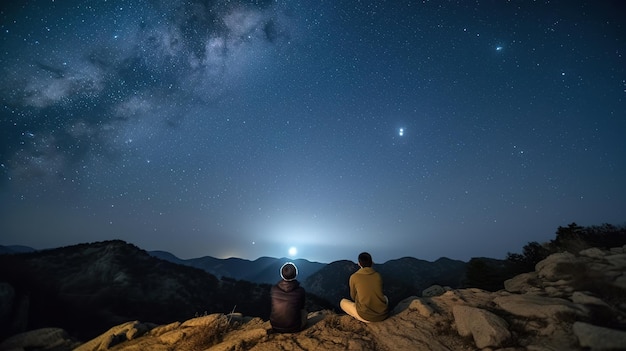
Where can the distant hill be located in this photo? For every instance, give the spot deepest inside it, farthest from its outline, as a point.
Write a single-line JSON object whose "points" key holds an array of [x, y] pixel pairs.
{"points": [[15, 249], [420, 274], [164, 255], [103, 283], [402, 277], [264, 270], [331, 282]]}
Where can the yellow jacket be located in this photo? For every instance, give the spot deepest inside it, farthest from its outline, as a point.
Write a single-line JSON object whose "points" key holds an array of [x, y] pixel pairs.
{"points": [[366, 289]]}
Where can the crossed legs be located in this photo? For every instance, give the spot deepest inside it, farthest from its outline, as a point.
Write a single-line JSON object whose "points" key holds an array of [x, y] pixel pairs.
{"points": [[350, 308]]}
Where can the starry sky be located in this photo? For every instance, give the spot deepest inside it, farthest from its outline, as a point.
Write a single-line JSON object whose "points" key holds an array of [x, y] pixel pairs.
{"points": [[245, 128]]}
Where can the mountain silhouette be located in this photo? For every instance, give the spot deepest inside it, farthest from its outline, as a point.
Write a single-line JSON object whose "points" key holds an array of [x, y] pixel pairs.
{"points": [[263, 270], [13, 249]]}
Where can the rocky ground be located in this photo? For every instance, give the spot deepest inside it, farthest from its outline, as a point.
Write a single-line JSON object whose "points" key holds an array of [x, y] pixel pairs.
{"points": [[570, 302]]}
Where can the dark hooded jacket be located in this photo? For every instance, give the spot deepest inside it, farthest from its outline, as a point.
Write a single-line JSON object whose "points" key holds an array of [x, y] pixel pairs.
{"points": [[287, 304]]}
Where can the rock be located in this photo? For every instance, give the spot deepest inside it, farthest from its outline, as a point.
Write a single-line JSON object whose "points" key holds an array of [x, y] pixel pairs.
{"points": [[172, 337], [548, 268], [387, 335], [160, 330], [522, 283], [616, 261], [487, 329], [201, 321], [593, 252], [620, 281], [403, 305], [533, 306], [599, 338], [584, 299], [110, 338], [238, 341], [138, 330], [421, 307], [434, 290]]}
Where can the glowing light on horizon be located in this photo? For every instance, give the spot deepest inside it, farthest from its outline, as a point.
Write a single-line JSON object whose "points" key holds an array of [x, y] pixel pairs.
{"points": [[293, 251]]}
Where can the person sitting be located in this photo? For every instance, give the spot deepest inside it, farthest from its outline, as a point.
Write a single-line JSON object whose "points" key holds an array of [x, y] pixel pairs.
{"points": [[366, 289], [288, 314]]}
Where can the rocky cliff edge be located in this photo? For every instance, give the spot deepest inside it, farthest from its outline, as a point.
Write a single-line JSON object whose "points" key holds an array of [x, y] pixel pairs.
{"points": [[570, 302]]}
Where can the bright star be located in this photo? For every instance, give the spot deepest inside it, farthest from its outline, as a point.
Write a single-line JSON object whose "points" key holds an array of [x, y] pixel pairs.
{"points": [[401, 132]]}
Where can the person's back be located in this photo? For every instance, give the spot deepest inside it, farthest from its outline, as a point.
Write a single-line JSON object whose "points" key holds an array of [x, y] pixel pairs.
{"points": [[366, 289], [288, 299]]}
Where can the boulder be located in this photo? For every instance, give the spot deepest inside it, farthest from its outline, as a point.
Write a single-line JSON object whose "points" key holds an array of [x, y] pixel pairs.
{"points": [[202, 321], [487, 329], [403, 305], [114, 336], [548, 268], [593, 252], [522, 283], [172, 337], [533, 306], [434, 290], [160, 330], [582, 298], [422, 308], [599, 338], [617, 261], [239, 340]]}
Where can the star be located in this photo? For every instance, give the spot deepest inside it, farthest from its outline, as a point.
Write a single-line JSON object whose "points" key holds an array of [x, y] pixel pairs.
{"points": [[200, 116]]}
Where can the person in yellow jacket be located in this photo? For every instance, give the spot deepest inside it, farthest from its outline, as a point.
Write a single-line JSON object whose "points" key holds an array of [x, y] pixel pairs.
{"points": [[366, 289]]}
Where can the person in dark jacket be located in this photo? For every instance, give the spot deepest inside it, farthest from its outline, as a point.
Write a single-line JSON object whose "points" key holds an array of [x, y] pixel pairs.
{"points": [[288, 314]]}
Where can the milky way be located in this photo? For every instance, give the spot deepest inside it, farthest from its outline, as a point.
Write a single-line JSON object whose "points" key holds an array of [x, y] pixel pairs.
{"points": [[245, 128]]}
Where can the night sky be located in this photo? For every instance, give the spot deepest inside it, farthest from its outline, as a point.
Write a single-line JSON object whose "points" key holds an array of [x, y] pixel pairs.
{"points": [[245, 128]]}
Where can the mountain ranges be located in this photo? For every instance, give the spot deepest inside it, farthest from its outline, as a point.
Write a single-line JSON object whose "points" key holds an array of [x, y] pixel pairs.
{"points": [[87, 288]]}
